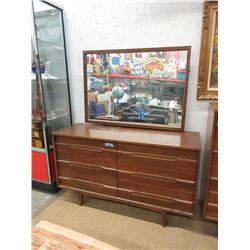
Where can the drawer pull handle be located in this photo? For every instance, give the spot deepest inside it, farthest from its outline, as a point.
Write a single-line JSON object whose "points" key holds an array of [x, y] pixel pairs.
{"points": [[84, 148], [63, 161], [157, 198], [152, 197], [154, 177], [159, 157], [155, 157], [85, 165]]}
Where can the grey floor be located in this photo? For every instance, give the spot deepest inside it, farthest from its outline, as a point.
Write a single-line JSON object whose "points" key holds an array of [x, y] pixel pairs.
{"points": [[40, 200]]}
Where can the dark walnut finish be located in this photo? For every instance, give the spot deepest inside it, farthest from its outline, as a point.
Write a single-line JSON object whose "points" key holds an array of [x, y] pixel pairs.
{"points": [[211, 198], [152, 169]]}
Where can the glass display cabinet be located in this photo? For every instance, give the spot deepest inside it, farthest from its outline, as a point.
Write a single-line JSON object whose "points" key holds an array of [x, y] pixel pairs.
{"points": [[50, 90], [137, 87]]}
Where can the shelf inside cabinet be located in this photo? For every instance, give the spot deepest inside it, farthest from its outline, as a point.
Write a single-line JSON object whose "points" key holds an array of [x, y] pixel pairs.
{"points": [[136, 77], [50, 44], [40, 150], [44, 77], [37, 137], [49, 118], [36, 121], [37, 129]]}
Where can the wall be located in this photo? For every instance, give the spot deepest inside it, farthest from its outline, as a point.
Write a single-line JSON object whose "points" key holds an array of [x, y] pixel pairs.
{"points": [[133, 24]]}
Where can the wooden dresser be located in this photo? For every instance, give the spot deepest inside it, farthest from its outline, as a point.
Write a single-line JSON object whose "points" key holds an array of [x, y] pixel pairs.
{"points": [[153, 169], [211, 197]]}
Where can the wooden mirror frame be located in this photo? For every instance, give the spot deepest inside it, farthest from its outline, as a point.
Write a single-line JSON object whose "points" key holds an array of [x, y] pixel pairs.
{"points": [[207, 41], [134, 124]]}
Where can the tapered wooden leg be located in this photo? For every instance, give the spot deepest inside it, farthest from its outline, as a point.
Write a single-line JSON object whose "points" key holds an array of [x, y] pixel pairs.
{"points": [[81, 199], [164, 218]]}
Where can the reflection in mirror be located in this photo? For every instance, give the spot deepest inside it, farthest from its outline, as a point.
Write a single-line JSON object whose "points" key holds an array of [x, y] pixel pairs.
{"points": [[137, 87]]}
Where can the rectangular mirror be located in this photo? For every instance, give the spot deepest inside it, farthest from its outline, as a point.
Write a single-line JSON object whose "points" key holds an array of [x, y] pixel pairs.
{"points": [[137, 87]]}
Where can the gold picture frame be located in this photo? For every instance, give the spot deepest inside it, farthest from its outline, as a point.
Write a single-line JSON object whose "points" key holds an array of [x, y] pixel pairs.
{"points": [[208, 67]]}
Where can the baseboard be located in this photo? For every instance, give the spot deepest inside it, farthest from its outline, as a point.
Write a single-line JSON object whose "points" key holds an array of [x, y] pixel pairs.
{"points": [[50, 188]]}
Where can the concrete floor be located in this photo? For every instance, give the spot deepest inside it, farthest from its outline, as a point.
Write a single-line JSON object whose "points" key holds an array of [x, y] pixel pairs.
{"points": [[40, 200]]}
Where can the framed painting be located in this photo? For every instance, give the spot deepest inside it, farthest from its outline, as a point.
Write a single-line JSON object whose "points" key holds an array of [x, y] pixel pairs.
{"points": [[208, 68]]}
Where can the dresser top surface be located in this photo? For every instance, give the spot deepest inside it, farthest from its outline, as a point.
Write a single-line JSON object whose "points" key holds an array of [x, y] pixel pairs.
{"points": [[185, 140]]}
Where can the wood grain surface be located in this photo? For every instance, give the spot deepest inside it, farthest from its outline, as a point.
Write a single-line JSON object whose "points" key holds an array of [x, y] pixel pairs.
{"points": [[152, 169], [180, 140], [211, 197], [46, 235]]}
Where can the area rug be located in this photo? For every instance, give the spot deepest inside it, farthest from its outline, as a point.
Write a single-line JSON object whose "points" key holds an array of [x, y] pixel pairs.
{"points": [[127, 227], [46, 235]]}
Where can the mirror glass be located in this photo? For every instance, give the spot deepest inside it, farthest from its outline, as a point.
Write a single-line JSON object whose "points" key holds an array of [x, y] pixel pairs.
{"points": [[144, 87]]}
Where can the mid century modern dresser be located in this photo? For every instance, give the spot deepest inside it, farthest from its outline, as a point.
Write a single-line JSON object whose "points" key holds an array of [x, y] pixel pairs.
{"points": [[153, 169]]}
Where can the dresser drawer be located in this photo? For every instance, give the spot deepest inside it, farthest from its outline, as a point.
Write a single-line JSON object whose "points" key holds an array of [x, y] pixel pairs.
{"points": [[85, 142], [151, 150], [212, 211], [86, 154], [213, 197], [171, 204], [214, 169], [213, 184], [216, 139], [87, 186], [166, 166], [88, 173], [156, 185]]}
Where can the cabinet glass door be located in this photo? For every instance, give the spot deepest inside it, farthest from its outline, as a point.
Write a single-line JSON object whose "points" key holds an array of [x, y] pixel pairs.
{"points": [[49, 29]]}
